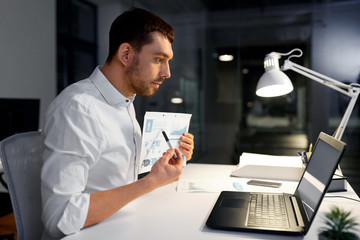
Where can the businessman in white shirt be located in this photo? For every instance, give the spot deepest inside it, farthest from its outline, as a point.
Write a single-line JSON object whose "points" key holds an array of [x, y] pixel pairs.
{"points": [[91, 135]]}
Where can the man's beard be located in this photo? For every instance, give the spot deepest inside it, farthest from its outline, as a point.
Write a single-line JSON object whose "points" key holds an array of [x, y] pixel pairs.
{"points": [[140, 85]]}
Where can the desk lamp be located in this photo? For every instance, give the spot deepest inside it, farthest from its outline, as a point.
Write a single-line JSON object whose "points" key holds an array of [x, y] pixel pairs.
{"points": [[275, 83]]}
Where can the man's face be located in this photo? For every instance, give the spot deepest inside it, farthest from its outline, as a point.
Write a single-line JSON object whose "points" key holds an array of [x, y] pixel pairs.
{"points": [[150, 67]]}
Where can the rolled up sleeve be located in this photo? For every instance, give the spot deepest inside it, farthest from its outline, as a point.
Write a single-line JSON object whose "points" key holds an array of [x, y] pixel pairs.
{"points": [[74, 215], [71, 146]]}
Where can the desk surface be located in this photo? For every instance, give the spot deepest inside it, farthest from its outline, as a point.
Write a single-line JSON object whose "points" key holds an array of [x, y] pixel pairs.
{"points": [[168, 214]]}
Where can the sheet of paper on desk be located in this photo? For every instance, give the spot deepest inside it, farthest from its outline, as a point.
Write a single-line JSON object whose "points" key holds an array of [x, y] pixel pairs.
{"points": [[153, 143], [208, 185], [253, 165]]}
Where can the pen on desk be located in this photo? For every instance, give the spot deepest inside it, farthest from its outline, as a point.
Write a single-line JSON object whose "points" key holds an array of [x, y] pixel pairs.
{"points": [[305, 158], [168, 142]]}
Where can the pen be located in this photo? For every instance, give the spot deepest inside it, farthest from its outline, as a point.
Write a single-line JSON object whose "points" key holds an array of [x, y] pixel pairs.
{"points": [[168, 142], [310, 147], [305, 158]]}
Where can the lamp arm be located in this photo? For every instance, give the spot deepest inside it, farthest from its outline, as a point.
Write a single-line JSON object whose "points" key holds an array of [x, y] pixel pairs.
{"points": [[351, 91], [340, 130], [318, 77]]}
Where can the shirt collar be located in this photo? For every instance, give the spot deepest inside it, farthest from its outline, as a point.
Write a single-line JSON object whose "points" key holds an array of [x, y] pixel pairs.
{"points": [[108, 91]]}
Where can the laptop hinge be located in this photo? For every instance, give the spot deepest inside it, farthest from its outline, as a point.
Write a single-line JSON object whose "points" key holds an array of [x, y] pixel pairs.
{"points": [[299, 219]]}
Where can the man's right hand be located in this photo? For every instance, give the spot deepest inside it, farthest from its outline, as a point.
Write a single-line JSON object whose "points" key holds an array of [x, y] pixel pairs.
{"points": [[167, 169]]}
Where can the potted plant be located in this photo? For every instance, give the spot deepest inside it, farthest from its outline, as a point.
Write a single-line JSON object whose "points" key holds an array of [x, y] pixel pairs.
{"points": [[339, 226]]}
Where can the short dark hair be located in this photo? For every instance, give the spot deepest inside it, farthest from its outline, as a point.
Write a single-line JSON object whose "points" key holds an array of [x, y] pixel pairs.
{"points": [[133, 27]]}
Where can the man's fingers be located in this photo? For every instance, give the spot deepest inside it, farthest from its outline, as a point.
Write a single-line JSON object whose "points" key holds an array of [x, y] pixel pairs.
{"points": [[187, 138], [168, 154], [178, 160]]}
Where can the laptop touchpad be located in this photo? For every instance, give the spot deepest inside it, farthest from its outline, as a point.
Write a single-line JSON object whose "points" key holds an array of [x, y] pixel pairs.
{"points": [[232, 203]]}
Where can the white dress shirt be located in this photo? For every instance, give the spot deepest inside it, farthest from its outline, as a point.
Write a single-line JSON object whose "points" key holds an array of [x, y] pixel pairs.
{"points": [[92, 143]]}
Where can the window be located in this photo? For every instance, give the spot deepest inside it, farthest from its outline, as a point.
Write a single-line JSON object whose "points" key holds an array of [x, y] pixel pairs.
{"points": [[76, 41]]}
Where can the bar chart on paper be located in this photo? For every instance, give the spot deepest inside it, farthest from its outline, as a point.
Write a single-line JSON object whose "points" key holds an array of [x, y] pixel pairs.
{"points": [[153, 143]]}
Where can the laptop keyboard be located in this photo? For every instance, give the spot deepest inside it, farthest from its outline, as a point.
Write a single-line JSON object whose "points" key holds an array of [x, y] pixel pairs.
{"points": [[267, 210]]}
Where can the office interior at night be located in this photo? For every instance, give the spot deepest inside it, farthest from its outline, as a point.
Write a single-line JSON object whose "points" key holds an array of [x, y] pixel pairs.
{"points": [[47, 45], [228, 118]]}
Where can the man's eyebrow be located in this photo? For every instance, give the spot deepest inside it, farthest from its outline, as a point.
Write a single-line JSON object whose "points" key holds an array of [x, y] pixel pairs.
{"points": [[162, 54]]}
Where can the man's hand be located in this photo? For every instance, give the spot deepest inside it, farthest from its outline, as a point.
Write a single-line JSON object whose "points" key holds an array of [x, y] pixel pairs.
{"points": [[167, 169], [186, 145]]}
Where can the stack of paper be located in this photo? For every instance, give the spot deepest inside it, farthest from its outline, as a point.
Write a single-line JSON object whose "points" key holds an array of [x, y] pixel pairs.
{"points": [[252, 165]]}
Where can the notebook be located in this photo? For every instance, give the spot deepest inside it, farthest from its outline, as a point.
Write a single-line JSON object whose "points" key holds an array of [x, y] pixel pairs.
{"points": [[285, 213]]}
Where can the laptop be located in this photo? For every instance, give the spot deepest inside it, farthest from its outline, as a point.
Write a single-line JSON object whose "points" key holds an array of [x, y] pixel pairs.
{"points": [[286, 213]]}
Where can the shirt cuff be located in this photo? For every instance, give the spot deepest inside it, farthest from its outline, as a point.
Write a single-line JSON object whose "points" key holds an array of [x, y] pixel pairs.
{"points": [[75, 213]]}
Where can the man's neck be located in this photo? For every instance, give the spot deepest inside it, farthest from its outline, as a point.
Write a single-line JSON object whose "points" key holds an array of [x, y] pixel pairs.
{"points": [[116, 76]]}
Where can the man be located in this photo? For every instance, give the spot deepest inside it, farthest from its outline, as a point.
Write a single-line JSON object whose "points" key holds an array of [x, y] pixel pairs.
{"points": [[91, 135]]}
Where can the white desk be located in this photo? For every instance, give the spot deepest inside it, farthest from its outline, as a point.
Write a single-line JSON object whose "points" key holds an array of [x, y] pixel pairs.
{"points": [[168, 214]]}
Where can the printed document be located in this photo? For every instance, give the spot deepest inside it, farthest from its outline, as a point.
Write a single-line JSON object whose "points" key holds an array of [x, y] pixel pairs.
{"points": [[153, 143]]}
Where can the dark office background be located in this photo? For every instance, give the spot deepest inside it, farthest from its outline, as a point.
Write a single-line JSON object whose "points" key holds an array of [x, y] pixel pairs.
{"points": [[228, 118]]}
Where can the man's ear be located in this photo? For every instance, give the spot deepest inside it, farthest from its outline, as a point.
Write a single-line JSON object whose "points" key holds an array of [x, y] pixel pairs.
{"points": [[124, 53]]}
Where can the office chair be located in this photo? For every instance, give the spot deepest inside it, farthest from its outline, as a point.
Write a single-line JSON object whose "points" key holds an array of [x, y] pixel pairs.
{"points": [[21, 158]]}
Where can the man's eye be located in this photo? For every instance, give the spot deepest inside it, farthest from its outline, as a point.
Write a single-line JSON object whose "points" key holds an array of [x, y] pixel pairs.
{"points": [[160, 60]]}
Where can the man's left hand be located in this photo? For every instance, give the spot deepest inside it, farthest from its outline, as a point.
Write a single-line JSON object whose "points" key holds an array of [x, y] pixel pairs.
{"points": [[186, 145]]}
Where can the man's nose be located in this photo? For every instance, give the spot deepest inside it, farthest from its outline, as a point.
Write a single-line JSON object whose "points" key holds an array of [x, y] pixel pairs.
{"points": [[165, 70]]}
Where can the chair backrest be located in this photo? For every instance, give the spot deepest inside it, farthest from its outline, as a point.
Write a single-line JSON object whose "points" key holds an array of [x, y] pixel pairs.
{"points": [[21, 158]]}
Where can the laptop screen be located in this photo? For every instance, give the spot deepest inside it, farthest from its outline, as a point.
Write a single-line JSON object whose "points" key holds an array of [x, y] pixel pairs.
{"points": [[320, 169]]}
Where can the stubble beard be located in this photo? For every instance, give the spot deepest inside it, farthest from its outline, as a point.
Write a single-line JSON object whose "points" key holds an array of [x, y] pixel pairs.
{"points": [[140, 85]]}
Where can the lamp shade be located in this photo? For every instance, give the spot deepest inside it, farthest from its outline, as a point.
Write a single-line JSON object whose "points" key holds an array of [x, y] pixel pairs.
{"points": [[273, 82]]}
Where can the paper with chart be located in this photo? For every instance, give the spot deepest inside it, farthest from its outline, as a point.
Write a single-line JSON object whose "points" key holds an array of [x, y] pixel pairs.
{"points": [[153, 143]]}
